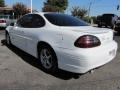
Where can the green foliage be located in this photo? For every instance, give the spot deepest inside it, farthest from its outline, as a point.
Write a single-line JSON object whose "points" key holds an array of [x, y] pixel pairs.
{"points": [[79, 12], [94, 18], [87, 19], [2, 3], [55, 5], [49, 8], [20, 9]]}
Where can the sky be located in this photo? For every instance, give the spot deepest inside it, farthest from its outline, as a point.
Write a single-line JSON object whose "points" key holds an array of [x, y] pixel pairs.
{"points": [[98, 7]]}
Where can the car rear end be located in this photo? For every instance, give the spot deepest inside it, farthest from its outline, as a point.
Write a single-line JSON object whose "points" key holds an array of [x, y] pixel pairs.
{"points": [[80, 47], [92, 49], [3, 23], [4, 20]]}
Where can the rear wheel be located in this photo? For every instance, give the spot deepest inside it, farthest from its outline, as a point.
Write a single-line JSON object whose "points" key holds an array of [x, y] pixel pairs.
{"points": [[48, 58]]}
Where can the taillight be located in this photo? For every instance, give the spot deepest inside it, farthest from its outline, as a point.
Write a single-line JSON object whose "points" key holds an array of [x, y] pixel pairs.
{"points": [[87, 41], [2, 21]]}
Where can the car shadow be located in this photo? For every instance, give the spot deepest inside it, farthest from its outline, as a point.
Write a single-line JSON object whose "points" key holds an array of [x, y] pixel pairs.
{"points": [[2, 28], [61, 74]]}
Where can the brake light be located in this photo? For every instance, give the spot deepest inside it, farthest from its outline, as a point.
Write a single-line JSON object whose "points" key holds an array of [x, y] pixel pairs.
{"points": [[87, 41], [2, 21]]}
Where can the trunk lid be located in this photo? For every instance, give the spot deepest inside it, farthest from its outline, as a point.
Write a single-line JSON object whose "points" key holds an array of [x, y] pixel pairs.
{"points": [[105, 35], [90, 30]]}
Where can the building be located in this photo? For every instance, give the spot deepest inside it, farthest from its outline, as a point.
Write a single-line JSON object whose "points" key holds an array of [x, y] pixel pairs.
{"points": [[6, 11]]}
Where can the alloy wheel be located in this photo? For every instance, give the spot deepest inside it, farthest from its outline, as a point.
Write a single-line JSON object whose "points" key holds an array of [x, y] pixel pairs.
{"points": [[46, 58]]}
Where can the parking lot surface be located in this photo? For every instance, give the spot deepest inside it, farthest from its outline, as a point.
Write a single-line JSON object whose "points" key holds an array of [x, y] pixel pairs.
{"points": [[21, 71]]}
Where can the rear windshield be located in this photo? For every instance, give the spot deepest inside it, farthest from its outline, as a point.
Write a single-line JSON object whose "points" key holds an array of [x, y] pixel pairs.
{"points": [[64, 20]]}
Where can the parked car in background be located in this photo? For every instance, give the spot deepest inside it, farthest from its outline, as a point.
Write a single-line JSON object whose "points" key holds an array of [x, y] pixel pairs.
{"points": [[107, 20], [5, 20], [117, 26], [62, 41]]}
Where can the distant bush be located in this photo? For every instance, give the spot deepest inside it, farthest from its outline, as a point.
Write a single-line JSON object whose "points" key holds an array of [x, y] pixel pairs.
{"points": [[87, 19], [94, 18]]}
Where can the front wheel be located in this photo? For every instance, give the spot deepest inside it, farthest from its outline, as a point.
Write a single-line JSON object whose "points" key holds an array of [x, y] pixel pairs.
{"points": [[48, 59], [8, 39]]}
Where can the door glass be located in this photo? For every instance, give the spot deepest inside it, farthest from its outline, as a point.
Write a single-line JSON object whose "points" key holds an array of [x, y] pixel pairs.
{"points": [[25, 21], [38, 21]]}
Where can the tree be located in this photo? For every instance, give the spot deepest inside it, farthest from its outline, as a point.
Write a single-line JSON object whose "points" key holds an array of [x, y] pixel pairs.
{"points": [[79, 12], [20, 9], [2, 3], [49, 8], [55, 5]]}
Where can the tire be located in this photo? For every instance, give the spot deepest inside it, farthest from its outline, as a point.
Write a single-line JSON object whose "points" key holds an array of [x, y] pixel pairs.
{"points": [[99, 25], [48, 59], [8, 41], [106, 26], [118, 32]]}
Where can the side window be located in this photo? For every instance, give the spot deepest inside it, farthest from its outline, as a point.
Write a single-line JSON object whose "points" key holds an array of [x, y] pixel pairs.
{"points": [[37, 21], [19, 22], [25, 21], [31, 21]]}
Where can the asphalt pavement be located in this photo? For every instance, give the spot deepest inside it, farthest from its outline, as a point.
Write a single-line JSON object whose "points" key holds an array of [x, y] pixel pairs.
{"points": [[21, 71]]}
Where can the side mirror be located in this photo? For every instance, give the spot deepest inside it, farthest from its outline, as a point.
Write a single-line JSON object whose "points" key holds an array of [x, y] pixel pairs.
{"points": [[12, 24]]}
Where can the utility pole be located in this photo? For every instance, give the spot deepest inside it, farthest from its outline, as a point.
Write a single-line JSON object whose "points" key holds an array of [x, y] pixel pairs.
{"points": [[89, 9], [90, 4], [31, 6]]}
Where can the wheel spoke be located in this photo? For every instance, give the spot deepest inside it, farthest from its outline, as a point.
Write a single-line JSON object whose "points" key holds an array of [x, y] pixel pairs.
{"points": [[44, 64], [48, 62], [48, 57], [45, 52], [42, 57], [7, 39]]}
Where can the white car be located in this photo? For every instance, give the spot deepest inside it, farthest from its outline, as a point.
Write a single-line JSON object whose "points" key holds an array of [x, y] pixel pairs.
{"points": [[3, 23], [62, 41], [5, 20]]}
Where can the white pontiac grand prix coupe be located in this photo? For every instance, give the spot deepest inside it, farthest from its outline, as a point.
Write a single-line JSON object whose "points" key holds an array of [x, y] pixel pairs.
{"points": [[62, 41]]}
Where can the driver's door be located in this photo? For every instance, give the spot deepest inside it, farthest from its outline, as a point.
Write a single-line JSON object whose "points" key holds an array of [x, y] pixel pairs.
{"points": [[18, 35]]}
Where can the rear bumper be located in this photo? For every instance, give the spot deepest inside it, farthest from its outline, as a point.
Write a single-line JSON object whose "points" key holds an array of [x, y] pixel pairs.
{"points": [[3, 24], [83, 60]]}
